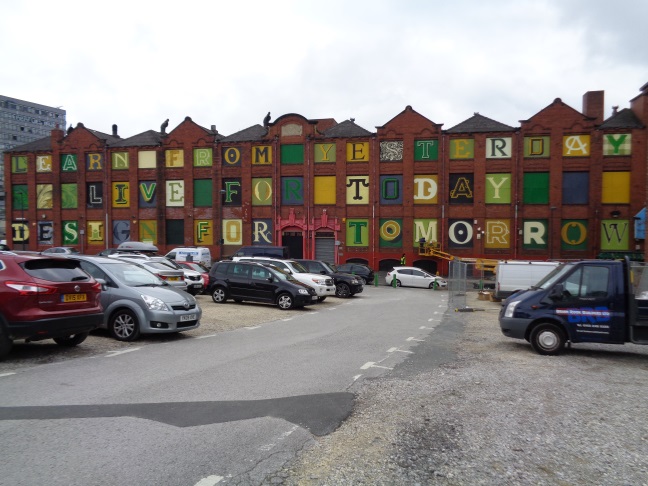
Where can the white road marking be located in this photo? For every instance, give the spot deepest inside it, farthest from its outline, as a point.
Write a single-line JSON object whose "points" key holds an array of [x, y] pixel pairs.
{"points": [[434, 320], [268, 447], [393, 350], [6, 374], [210, 481], [117, 353], [414, 339], [208, 336], [371, 364], [252, 327], [355, 378], [430, 328]]}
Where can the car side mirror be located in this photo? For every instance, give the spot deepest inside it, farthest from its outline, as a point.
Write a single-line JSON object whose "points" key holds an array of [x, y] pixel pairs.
{"points": [[323, 272], [270, 279], [557, 292]]}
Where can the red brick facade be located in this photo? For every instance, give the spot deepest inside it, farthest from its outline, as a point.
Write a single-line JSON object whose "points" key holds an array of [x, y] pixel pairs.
{"points": [[340, 192]]}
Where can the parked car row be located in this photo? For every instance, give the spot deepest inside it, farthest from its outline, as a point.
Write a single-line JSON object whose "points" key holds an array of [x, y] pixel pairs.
{"points": [[65, 295]]}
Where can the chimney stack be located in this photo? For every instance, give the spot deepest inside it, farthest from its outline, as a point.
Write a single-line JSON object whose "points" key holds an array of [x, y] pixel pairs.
{"points": [[593, 105]]}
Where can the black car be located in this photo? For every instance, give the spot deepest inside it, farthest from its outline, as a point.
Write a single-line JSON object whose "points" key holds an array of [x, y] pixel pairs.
{"points": [[254, 282], [346, 284], [357, 269]]}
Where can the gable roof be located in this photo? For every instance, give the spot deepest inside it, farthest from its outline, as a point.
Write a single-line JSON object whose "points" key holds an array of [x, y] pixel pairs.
{"points": [[251, 134], [347, 129], [40, 145], [480, 124], [148, 138], [622, 119]]}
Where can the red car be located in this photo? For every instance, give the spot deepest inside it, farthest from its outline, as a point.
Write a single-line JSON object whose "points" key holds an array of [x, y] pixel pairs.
{"points": [[204, 272], [46, 298]]}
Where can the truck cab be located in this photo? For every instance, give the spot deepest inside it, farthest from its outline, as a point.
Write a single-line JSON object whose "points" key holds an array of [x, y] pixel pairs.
{"points": [[584, 301]]}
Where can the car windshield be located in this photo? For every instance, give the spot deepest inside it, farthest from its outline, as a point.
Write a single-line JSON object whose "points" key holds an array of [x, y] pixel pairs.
{"points": [[158, 265], [550, 279], [132, 275], [280, 274], [170, 263], [299, 268]]}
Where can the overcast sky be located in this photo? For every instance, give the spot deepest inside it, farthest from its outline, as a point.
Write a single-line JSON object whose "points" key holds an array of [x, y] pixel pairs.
{"points": [[136, 63]]}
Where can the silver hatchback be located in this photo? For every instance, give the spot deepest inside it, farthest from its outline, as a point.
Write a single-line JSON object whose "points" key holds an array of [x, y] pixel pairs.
{"points": [[137, 302]]}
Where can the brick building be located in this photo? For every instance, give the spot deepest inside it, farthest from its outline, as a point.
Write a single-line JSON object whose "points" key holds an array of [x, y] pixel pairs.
{"points": [[563, 184]]}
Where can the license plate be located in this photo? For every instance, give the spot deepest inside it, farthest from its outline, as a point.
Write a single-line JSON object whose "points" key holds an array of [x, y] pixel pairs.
{"points": [[74, 297], [174, 279], [188, 317], [314, 297]]}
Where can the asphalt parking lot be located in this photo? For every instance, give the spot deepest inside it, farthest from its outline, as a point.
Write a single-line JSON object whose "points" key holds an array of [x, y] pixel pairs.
{"points": [[216, 318]]}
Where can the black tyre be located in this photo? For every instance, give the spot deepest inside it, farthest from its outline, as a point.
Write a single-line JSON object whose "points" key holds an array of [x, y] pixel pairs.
{"points": [[285, 301], [5, 343], [124, 326], [71, 341], [219, 295], [367, 281], [548, 339], [398, 283], [342, 290]]}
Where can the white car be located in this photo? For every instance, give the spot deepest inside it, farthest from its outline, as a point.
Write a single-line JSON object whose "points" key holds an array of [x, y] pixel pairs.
{"points": [[323, 285], [414, 277]]}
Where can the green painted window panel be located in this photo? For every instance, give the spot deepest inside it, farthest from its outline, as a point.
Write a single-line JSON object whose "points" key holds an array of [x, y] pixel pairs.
{"points": [[202, 193], [536, 188], [292, 154]]}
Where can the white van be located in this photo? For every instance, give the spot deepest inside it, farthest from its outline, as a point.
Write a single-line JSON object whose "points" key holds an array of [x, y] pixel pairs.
{"points": [[514, 275], [199, 254]]}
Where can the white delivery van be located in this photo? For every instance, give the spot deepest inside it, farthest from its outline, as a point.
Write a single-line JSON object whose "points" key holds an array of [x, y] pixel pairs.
{"points": [[199, 254], [514, 275]]}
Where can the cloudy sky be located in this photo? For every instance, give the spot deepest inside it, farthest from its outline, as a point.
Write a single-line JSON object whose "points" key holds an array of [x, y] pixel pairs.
{"points": [[136, 63]]}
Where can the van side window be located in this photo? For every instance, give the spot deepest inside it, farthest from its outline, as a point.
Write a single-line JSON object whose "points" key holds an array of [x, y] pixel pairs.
{"points": [[597, 282], [588, 282]]}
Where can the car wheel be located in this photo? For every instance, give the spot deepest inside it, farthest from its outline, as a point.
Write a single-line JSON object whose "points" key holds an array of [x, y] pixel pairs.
{"points": [[71, 341], [398, 283], [123, 326], [367, 281], [342, 290], [321, 299], [285, 301], [547, 339], [218, 295], [5, 343]]}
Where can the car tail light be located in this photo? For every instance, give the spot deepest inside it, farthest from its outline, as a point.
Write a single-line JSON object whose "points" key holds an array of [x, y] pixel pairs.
{"points": [[28, 288], [96, 287], [163, 277]]}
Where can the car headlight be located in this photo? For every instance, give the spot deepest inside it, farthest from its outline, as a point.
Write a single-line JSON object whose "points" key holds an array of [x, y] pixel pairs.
{"points": [[303, 291], [319, 281], [153, 303], [510, 308], [355, 281]]}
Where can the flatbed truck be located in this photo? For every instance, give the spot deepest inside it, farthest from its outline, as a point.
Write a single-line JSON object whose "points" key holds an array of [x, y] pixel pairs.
{"points": [[586, 301]]}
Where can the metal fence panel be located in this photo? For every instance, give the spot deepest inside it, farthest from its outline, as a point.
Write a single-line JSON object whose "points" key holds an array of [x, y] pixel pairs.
{"points": [[464, 277]]}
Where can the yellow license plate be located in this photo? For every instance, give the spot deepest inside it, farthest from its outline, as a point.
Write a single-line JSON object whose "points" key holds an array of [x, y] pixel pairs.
{"points": [[75, 297], [174, 279]]}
